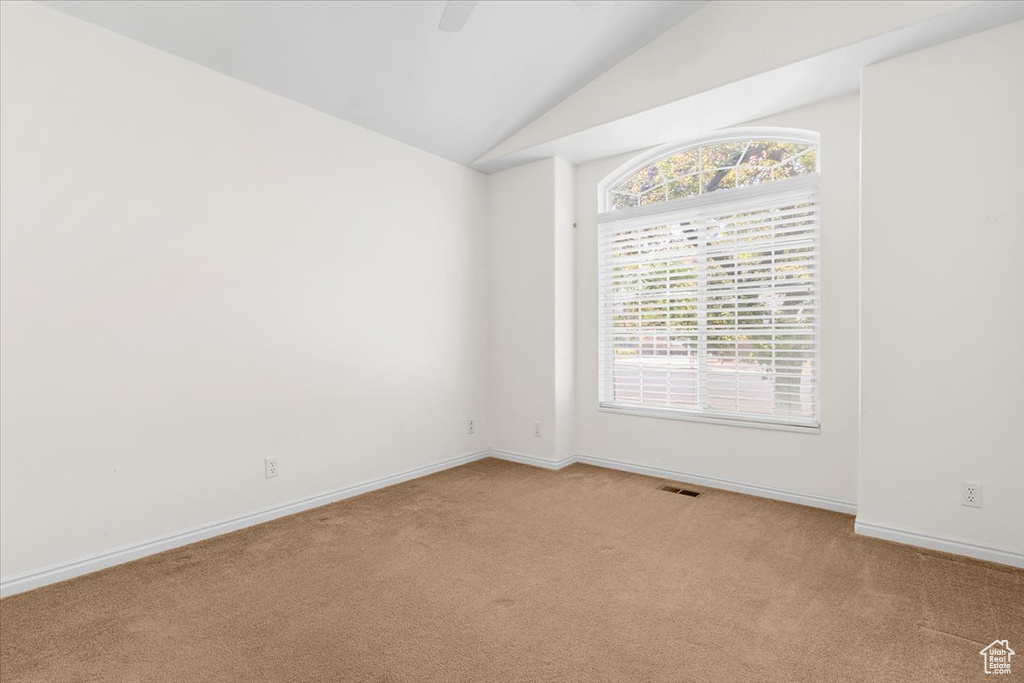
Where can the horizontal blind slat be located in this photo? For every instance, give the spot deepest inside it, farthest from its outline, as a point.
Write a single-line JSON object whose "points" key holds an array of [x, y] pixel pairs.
{"points": [[713, 308]]}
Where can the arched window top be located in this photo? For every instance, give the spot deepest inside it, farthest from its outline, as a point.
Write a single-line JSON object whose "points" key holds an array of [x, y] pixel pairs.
{"points": [[725, 162]]}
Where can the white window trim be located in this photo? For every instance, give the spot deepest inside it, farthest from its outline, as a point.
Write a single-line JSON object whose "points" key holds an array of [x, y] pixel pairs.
{"points": [[741, 196], [666, 211], [769, 423]]}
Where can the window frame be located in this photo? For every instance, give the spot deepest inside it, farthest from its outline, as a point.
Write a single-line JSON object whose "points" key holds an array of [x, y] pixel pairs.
{"points": [[663, 212]]}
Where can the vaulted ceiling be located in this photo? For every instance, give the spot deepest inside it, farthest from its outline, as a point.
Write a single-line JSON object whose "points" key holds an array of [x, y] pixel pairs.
{"points": [[386, 66]]}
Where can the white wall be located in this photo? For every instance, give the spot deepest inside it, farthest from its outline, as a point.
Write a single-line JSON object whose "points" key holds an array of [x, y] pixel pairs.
{"points": [[822, 465], [197, 274], [943, 319], [522, 309], [531, 309], [564, 243]]}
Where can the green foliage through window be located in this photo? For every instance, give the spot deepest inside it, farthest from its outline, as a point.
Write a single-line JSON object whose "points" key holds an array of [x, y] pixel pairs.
{"points": [[713, 167]]}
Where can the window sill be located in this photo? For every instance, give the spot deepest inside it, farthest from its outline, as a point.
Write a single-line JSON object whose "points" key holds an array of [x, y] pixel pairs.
{"points": [[673, 414]]}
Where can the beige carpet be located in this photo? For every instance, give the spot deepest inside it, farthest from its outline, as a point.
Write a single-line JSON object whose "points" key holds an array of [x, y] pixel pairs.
{"points": [[502, 572]]}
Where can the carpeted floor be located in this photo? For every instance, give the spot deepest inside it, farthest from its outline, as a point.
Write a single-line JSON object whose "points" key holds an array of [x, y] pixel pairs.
{"points": [[501, 572]]}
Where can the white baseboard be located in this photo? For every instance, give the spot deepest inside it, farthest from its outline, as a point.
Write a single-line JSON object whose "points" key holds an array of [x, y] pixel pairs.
{"points": [[921, 540], [998, 555], [787, 496], [532, 460], [808, 499], [20, 583]]}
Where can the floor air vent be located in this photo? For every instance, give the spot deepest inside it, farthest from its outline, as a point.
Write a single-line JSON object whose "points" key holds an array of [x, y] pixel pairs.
{"points": [[681, 491]]}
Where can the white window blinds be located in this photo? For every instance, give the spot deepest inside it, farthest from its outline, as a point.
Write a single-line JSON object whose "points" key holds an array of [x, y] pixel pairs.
{"points": [[710, 306]]}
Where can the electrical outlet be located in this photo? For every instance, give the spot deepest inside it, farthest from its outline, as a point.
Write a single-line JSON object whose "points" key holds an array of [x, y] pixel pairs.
{"points": [[270, 467], [970, 494], [536, 428], [471, 428]]}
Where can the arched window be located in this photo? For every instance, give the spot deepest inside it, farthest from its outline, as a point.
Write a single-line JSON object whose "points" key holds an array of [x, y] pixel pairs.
{"points": [[709, 281]]}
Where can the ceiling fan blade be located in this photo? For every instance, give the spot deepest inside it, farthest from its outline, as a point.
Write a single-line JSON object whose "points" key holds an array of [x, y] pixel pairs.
{"points": [[456, 14]]}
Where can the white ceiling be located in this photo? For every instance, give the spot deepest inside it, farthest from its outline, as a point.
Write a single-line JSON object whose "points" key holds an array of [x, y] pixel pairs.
{"points": [[386, 66], [815, 78]]}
